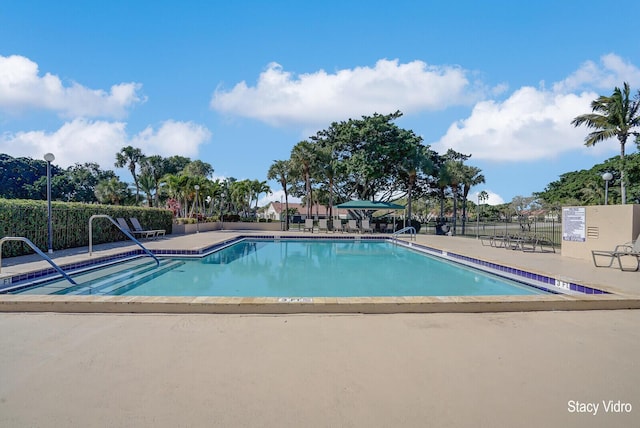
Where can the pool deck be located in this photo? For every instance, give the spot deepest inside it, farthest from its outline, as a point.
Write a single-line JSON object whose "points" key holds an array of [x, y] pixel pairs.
{"points": [[517, 369], [624, 287]]}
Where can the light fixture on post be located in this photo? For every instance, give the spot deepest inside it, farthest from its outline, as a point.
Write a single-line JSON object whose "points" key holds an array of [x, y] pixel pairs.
{"points": [[607, 177], [197, 187], [49, 157]]}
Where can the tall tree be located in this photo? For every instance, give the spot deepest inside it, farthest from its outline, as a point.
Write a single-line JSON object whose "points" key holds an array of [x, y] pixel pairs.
{"points": [[303, 158], [112, 191], [454, 168], [198, 168], [613, 116], [280, 170], [259, 187], [366, 153], [471, 176], [156, 167], [130, 157], [414, 168], [148, 186], [326, 171]]}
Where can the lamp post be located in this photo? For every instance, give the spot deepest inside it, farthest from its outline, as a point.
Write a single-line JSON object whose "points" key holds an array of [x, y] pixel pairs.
{"points": [[197, 187], [478, 222], [49, 157], [607, 177]]}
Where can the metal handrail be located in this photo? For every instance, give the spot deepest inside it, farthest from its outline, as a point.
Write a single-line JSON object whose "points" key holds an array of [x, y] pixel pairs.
{"points": [[406, 229], [37, 250], [126, 232]]}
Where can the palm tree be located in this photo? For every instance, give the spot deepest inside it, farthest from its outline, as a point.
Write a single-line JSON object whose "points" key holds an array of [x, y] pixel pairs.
{"points": [[302, 158], [111, 191], [417, 162], [613, 116], [258, 188], [441, 184], [326, 169], [241, 196], [482, 197], [281, 170], [470, 177], [130, 156], [156, 167], [147, 185], [178, 188], [215, 191]]}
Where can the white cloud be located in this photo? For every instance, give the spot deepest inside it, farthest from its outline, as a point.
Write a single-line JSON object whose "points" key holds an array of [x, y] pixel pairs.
{"points": [[83, 141], [531, 124], [494, 198], [77, 141], [611, 72], [282, 98], [276, 196], [22, 88], [172, 138], [535, 123]]}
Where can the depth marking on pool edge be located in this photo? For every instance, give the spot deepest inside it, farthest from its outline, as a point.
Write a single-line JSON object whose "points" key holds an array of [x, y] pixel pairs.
{"points": [[295, 300]]}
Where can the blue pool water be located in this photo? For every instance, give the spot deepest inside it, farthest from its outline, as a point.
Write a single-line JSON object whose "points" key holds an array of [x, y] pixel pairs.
{"points": [[301, 269]]}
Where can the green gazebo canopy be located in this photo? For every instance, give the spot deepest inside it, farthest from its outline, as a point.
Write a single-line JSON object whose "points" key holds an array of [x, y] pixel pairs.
{"points": [[370, 205]]}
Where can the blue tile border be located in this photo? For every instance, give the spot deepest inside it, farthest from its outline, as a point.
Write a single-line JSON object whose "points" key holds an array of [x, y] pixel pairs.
{"points": [[525, 277]]}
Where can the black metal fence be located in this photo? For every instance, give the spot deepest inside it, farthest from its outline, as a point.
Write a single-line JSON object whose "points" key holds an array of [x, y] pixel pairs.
{"points": [[551, 229]]}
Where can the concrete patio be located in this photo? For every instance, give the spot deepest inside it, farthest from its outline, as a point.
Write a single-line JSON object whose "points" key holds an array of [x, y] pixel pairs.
{"points": [[623, 286], [525, 369]]}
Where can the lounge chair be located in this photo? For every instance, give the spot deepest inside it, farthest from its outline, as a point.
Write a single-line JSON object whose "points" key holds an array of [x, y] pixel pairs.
{"points": [[138, 228], [498, 240], [352, 226], [322, 225], [308, 225], [139, 234], [365, 227], [532, 241], [383, 227], [630, 249]]}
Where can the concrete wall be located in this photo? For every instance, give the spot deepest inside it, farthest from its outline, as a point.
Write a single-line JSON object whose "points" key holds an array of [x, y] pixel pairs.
{"points": [[605, 227], [184, 229]]}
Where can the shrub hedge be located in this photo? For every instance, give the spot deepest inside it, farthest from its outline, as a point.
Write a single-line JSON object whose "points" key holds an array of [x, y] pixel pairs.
{"points": [[70, 223]]}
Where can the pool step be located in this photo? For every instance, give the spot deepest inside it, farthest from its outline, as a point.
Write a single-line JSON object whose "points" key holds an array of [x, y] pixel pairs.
{"points": [[117, 288], [59, 286], [107, 285]]}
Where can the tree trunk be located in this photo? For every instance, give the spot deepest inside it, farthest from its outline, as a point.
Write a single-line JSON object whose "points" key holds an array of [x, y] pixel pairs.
{"points": [[455, 211], [623, 187], [408, 206], [286, 212]]}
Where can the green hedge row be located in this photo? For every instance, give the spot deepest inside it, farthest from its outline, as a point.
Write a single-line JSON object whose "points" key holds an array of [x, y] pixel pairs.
{"points": [[70, 223]]}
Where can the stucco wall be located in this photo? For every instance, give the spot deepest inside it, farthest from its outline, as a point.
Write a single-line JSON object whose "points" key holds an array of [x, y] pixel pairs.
{"points": [[183, 229], [606, 226]]}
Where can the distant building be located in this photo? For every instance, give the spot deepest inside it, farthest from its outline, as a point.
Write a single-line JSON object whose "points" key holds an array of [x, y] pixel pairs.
{"points": [[274, 209]]}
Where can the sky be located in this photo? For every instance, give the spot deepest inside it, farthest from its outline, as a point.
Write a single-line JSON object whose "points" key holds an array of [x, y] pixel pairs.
{"points": [[238, 84]]}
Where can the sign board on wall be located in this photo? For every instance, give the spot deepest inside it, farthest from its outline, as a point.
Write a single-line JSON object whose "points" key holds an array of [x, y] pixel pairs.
{"points": [[573, 224]]}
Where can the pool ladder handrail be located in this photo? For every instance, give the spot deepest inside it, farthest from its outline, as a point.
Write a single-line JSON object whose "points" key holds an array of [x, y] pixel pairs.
{"points": [[410, 229], [126, 232], [38, 251]]}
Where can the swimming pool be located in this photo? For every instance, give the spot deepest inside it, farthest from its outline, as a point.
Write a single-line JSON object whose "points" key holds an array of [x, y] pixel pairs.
{"points": [[300, 268]]}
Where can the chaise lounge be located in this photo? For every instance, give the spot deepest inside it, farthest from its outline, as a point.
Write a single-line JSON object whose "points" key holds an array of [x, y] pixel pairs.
{"points": [[366, 227], [322, 225], [136, 233], [139, 229], [308, 225], [630, 249], [352, 226]]}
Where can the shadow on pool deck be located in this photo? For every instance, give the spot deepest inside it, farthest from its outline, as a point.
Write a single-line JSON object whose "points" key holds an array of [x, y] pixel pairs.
{"points": [[624, 286]]}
